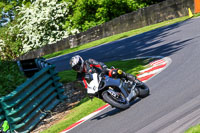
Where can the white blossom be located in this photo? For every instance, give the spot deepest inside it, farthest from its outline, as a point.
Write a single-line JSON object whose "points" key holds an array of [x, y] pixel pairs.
{"points": [[40, 23], [1, 44]]}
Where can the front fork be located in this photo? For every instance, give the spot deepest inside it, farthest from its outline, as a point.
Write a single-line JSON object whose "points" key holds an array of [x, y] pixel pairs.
{"points": [[127, 94], [132, 94]]}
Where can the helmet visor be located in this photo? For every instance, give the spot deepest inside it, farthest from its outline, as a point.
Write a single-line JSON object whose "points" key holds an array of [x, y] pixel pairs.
{"points": [[78, 66]]}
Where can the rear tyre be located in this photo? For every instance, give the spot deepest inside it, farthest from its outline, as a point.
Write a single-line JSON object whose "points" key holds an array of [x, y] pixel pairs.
{"points": [[113, 102]]}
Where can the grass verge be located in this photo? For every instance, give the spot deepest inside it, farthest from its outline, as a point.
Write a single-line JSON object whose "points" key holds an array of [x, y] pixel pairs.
{"points": [[196, 15], [195, 129], [116, 37], [86, 106]]}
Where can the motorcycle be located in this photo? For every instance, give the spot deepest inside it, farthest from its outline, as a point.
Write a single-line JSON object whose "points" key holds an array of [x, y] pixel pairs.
{"points": [[116, 92]]}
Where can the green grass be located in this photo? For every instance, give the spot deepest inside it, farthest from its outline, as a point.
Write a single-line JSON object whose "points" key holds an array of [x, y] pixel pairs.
{"points": [[86, 106], [67, 76], [195, 129], [196, 15], [116, 37]]}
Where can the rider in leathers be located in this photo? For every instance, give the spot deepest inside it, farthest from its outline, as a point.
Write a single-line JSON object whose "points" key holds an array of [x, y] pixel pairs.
{"points": [[85, 68]]}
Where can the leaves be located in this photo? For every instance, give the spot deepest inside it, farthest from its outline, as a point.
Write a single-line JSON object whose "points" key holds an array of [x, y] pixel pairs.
{"points": [[8, 9], [42, 23], [10, 46], [10, 77], [89, 13]]}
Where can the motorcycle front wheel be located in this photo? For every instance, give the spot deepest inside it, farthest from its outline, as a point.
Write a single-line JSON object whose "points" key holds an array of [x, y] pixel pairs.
{"points": [[120, 102], [143, 91]]}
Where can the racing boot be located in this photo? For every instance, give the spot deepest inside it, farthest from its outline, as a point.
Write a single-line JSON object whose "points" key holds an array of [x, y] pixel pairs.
{"points": [[134, 79], [117, 73]]}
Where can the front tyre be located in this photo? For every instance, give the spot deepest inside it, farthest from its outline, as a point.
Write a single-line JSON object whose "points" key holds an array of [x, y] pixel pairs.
{"points": [[143, 91], [113, 101]]}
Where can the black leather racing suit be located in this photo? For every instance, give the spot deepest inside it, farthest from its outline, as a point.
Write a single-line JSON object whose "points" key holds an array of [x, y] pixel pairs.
{"points": [[93, 66], [90, 66]]}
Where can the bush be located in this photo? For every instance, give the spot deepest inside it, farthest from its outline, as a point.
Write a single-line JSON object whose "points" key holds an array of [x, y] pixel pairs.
{"points": [[42, 23], [10, 77], [8, 9], [10, 46], [36, 24], [89, 13]]}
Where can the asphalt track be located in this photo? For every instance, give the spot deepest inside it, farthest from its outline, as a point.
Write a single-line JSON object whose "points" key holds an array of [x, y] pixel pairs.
{"points": [[173, 105]]}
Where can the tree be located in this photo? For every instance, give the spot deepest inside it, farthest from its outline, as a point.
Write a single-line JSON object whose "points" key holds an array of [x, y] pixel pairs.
{"points": [[89, 13], [10, 46], [38, 24], [8, 9], [42, 23]]}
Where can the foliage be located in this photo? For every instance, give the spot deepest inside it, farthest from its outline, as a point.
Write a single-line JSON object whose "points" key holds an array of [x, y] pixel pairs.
{"points": [[89, 13], [7, 5], [8, 9], [41, 23], [10, 77], [10, 46], [35, 25]]}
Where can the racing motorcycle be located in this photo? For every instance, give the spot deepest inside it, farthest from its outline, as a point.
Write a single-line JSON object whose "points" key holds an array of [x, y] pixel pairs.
{"points": [[116, 92]]}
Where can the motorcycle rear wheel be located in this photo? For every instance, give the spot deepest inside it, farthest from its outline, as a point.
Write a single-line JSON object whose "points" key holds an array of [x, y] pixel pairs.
{"points": [[109, 99]]}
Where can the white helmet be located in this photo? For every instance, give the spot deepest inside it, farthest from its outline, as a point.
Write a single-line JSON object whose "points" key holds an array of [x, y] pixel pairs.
{"points": [[76, 63]]}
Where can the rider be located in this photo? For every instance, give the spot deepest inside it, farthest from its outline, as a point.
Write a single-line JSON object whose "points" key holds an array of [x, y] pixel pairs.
{"points": [[92, 66]]}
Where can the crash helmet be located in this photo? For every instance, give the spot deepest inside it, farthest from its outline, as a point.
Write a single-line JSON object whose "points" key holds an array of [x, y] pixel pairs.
{"points": [[77, 63]]}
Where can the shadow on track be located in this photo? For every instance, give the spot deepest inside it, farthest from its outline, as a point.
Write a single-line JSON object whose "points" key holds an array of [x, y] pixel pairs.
{"points": [[114, 111], [162, 41]]}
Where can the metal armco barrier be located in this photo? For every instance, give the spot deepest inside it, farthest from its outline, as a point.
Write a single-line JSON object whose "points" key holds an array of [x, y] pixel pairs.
{"points": [[31, 66], [25, 107]]}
